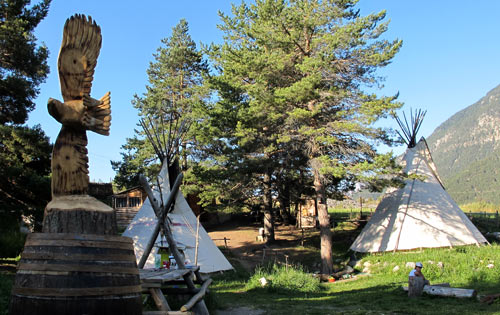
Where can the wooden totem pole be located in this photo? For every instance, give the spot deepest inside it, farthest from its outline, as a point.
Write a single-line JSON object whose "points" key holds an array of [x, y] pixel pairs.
{"points": [[71, 209], [78, 265]]}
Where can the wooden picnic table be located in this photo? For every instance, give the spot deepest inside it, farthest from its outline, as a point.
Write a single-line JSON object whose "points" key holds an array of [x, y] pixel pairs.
{"points": [[156, 282]]}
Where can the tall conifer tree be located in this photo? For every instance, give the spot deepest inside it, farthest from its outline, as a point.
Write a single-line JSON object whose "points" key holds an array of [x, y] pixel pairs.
{"points": [[24, 152], [293, 76], [23, 64], [175, 88]]}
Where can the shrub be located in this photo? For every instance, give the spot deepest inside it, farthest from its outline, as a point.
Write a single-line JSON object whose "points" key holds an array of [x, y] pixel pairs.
{"points": [[283, 279], [11, 243]]}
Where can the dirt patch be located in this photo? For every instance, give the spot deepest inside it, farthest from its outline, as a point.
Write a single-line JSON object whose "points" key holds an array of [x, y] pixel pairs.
{"points": [[241, 241]]}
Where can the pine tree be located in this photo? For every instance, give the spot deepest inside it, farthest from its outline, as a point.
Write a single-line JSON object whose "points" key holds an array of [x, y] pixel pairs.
{"points": [[175, 88], [24, 152], [24, 180], [23, 64], [295, 74]]}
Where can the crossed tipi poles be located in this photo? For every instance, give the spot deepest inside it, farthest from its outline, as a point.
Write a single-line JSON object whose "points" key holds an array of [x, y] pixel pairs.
{"points": [[166, 153]]}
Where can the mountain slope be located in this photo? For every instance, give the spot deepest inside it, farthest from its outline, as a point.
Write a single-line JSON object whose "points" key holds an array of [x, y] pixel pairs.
{"points": [[466, 150]]}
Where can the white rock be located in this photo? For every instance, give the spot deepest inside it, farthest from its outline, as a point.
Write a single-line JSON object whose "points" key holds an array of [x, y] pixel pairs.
{"points": [[440, 264], [430, 262], [263, 281], [366, 270], [395, 269], [410, 264], [490, 266], [367, 264]]}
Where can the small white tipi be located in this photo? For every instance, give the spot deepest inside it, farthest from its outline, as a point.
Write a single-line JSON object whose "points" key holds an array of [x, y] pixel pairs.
{"points": [[183, 225], [419, 215]]}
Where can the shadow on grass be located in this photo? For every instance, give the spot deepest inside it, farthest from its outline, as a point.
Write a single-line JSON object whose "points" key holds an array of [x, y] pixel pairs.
{"points": [[374, 300], [482, 282]]}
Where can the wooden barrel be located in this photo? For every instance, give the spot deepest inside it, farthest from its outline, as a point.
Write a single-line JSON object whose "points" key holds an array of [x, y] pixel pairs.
{"points": [[61, 273]]}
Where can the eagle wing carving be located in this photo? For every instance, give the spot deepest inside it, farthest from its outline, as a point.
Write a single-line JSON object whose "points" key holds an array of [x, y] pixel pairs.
{"points": [[80, 48]]}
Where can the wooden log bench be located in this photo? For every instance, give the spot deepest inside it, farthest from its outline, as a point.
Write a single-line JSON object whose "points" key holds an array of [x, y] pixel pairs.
{"points": [[443, 290], [157, 282]]}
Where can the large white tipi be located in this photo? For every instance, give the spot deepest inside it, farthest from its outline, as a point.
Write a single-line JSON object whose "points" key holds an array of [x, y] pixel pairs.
{"points": [[419, 215]]}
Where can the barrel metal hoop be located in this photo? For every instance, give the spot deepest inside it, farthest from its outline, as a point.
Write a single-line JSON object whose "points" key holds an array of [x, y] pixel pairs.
{"points": [[76, 243], [77, 257], [77, 268], [77, 291], [81, 237]]}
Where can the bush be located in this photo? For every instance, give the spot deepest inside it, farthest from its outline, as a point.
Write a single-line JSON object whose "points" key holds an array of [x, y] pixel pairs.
{"points": [[6, 282], [11, 242], [282, 279]]}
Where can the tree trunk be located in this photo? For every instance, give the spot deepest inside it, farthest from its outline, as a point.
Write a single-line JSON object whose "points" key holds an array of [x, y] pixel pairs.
{"points": [[285, 204], [173, 171], [298, 213], [268, 209], [415, 286], [324, 224], [80, 214]]}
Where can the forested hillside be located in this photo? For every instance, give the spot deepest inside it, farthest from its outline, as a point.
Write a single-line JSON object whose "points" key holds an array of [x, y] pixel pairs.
{"points": [[466, 150]]}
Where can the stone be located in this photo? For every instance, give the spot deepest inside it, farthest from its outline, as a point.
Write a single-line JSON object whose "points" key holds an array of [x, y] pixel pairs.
{"points": [[410, 264]]}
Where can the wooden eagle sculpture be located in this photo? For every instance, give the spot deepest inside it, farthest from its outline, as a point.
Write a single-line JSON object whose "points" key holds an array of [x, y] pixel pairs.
{"points": [[79, 112]]}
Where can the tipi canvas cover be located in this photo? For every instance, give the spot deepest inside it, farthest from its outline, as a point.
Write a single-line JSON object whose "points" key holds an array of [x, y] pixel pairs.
{"points": [[420, 215], [183, 225]]}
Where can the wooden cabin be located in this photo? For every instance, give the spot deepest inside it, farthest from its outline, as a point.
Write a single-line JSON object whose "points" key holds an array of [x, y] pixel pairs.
{"points": [[307, 214], [126, 204]]}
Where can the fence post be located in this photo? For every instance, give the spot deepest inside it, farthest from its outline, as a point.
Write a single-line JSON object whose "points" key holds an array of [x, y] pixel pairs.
{"points": [[360, 207], [302, 239]]}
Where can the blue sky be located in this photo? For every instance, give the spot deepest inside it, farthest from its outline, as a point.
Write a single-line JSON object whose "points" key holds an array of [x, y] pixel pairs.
{"points": [[450, 57]]}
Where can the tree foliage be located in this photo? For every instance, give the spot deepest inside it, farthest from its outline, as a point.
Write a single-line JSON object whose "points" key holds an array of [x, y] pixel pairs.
{"points": [[25, 173], [175, 88], [24, 152], [289, 114], [23, 64], [291, 86]]}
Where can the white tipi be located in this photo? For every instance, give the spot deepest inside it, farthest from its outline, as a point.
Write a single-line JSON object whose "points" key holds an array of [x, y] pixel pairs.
{"points": [[419, 215], [182, 220], [183, 224]]}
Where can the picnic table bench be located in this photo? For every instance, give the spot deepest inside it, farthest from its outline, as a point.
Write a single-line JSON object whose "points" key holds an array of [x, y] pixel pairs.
{"points": [[158, 282]]}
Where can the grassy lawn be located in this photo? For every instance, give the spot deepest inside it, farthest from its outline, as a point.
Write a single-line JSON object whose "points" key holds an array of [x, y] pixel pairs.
{"points": [[377, 293], [376, 289]]}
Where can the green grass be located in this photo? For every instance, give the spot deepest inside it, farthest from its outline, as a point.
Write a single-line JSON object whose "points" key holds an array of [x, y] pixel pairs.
{"points": [[480, 206], [283, 279], [295, 291], [377, 293]]}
